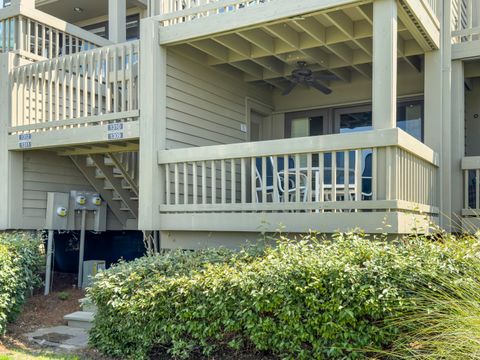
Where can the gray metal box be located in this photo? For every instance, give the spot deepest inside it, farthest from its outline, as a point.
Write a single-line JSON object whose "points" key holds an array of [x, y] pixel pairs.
{"points": [[90, 269], [57, 211]]}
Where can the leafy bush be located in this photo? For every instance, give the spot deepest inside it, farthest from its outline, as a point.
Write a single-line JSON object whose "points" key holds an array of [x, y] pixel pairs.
{"points": [[306, 299], [19, 264]]}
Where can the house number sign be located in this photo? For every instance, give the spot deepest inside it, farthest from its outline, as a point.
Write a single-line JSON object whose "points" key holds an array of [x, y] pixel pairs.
{"points": [[115, 131], [25, 141]]}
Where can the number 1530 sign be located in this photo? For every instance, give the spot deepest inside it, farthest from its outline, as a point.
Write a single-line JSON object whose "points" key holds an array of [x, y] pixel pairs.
{"points": [[115, 131]]}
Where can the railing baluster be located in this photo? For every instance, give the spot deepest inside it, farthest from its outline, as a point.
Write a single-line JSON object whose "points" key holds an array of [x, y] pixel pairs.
{"points": [[334, 177], [177, 183], [274, 160], [233, 181], [320, 194], [214, 182], [204, 182], [264, 179], [286, 179], [253, 180], [194, 182], [374, 174], [358, 175], [185, 183], [167, 184], [346, 175], [477, 189], [223, 177], [243, 180]]}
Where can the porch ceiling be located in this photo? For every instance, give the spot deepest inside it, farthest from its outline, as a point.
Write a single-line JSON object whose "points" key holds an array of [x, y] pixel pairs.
{"points": [[335, 44]]}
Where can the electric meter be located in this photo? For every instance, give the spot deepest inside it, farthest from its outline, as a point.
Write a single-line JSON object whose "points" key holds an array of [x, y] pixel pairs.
{"points": [[96, 200], [61, 211], [81, 200]]}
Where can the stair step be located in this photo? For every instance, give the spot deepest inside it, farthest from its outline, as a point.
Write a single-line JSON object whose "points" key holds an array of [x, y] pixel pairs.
{"points": [[80, 319], [87, 305]]}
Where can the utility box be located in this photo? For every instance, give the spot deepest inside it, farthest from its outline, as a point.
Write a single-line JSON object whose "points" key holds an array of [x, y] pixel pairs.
{"points": [[90, 269], [57, 211]]}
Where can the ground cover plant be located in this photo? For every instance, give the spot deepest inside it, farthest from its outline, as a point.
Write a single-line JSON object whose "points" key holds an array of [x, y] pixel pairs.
{"points": [[19, 264], [306, 298]]}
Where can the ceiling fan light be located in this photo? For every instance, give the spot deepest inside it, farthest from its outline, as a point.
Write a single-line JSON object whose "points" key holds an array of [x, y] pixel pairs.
{"points": [[78, 9]]}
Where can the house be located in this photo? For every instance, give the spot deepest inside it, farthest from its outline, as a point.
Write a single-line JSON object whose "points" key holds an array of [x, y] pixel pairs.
{"points": [[207, 122]]}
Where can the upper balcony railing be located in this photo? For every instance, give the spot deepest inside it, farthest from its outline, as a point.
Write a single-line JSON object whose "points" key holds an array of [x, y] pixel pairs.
{"points": [[465, 20], [94, 87], [180, 11], [37, 36]]}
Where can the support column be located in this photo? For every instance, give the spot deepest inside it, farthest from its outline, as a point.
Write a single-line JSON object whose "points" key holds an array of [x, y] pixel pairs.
{"points": [[153, 96], [458, 142], [384, 94], [433, 126], [11, 163], [117, 21]]}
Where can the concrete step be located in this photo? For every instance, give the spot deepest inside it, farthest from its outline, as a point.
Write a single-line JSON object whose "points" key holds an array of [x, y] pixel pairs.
{"points": [[80, 319], [87, 305]]}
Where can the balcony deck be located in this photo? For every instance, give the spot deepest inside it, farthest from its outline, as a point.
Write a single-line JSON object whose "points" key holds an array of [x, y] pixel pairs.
{"points": [[87, 99], [182, 22], [333, 182]]}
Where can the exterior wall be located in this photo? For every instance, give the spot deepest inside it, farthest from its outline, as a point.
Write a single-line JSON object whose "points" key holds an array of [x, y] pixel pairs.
{"points": [[44, 172], [205, 107]]}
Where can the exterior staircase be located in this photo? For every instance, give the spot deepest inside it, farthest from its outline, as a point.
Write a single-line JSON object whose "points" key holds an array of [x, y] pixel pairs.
{"points": [[115, 178]]}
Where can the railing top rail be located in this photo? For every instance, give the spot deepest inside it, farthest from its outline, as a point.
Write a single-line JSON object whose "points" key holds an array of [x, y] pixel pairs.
{"points": [[324, 143], [195, 9], [53, 22], [471, 163], [38, 64]]}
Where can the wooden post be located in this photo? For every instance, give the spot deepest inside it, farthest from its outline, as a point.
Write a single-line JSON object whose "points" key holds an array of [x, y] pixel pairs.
{"points": [[153, 68], [384, 91], [458, 141], [117, 21], [11, 163], [384, 101]]}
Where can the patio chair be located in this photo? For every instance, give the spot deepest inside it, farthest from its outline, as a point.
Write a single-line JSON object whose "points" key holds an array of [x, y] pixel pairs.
{"points": [[269, 189], [292, 186]]}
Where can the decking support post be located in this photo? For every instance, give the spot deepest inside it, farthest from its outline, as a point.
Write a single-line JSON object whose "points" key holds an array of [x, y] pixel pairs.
{"points": [[384, 85], [11, 163], [117, 21], [153, 96], [458, 142]]}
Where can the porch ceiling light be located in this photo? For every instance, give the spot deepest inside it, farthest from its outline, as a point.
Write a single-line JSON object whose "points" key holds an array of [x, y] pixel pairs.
{"points": [[78, 9]]}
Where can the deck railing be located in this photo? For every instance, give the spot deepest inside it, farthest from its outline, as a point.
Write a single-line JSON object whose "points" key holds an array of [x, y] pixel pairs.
{"points": [[179, 11], [471, 171], [385, 169], [465, 20], [37, 35], [87, 88]]}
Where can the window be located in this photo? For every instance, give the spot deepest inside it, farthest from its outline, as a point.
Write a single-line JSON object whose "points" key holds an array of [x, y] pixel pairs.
{"points": [[410, 118], [306, 123]]}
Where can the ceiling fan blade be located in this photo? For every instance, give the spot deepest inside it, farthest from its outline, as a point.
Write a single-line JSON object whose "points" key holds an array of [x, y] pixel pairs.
{"points": [[289, 88], [326, 77], [320, 87]]}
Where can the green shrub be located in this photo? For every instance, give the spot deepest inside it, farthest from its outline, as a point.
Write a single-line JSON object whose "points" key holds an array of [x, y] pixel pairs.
{"points": [[306, 299], [19, 262], [63, 295]]}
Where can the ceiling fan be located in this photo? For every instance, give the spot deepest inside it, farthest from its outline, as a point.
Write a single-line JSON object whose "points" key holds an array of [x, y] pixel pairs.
{"points": [[304, 76]]}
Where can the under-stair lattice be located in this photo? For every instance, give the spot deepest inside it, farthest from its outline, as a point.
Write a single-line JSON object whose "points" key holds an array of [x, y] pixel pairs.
{"points": [[115, 177]]}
